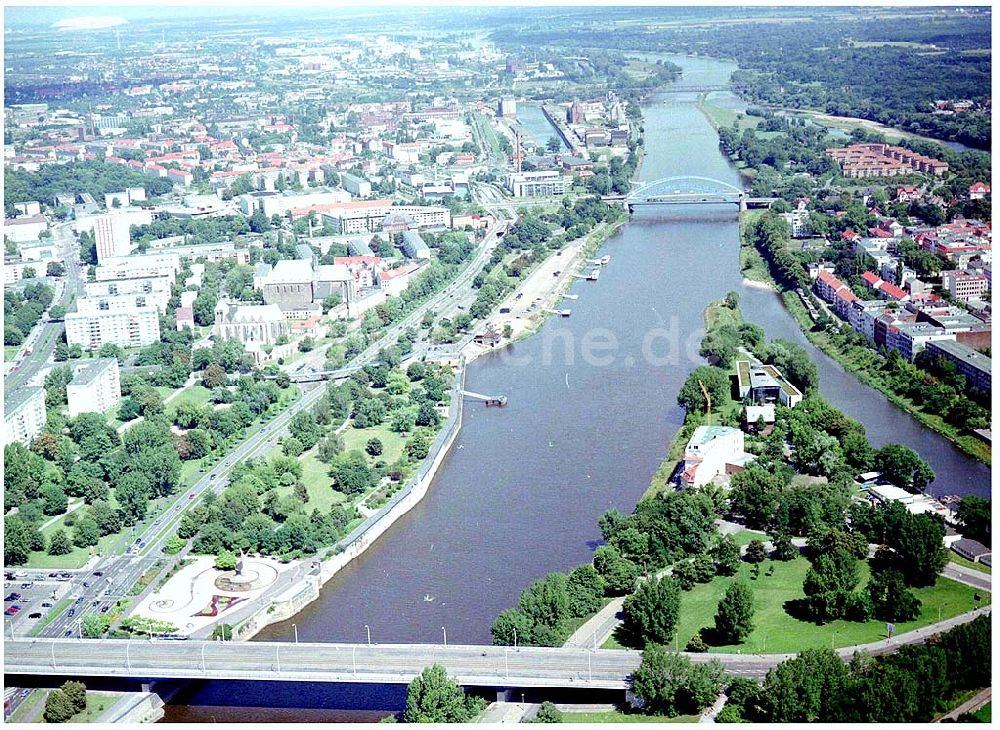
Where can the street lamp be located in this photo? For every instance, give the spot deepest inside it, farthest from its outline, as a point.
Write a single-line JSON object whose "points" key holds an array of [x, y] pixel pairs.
{"points": [[445, 635], [369, 632], [296, 630], [515, 636]]}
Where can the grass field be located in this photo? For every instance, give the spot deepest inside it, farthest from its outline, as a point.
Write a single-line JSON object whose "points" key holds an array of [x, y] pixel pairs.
{"points": [[97, 704], [199, 395], [24, 710], [317, 481], [956, 558], [73, 559], [984, 713], [9, 351], [777, 631], [392, 442], [619, 716]]}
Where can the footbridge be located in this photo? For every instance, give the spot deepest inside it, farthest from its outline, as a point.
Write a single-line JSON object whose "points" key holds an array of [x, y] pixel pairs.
{"points": [[688, 190], [476, 666]]}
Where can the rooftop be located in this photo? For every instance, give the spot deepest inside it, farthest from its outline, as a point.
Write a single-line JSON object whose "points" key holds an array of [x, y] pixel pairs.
{"points": [[15, 401], [963, 353], [85, 373]]}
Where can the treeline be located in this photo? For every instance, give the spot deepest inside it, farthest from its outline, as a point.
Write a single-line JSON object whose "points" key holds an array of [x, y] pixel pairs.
{"points": [[769, 234], [662, 530], [74, 178], [201, 230], [914, 684], [23, 309]]}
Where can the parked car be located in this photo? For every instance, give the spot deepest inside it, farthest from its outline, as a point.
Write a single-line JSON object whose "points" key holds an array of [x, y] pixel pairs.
{"points": [[71, 613], [34, 616]]}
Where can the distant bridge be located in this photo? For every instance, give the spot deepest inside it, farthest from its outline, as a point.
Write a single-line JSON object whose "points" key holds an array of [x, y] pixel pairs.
{"points": [[688, 190], [693, 89]]}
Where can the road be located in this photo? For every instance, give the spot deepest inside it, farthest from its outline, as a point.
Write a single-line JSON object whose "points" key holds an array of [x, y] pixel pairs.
{"points": [[495, 666], [148, 541], [388, 663], [44, 343], [971, 705]]}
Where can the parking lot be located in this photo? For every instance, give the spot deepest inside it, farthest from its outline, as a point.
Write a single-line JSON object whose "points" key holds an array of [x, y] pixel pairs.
{"points": [[30, 595]]}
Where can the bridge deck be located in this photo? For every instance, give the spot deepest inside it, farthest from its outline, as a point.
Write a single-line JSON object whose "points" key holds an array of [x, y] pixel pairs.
{"points": [[488, 666]]}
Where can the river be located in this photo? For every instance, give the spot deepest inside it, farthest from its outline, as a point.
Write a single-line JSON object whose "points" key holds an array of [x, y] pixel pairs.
{"points": [[521, 490]]}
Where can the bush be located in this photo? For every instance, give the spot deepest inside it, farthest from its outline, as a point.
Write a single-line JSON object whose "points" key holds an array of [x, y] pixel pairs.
{"points": [[696, 644]]}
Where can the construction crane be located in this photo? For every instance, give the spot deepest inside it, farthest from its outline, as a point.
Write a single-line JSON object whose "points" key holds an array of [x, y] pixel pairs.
{"points": [[708, 400]]}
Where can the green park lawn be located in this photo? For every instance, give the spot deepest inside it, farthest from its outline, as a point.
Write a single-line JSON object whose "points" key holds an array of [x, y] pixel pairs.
{"points": [[199, 395], [954, 557], [317, 480], [392, 442], [73, 559], [97, 704], [9, 351], [778, 631], [619, 716]]}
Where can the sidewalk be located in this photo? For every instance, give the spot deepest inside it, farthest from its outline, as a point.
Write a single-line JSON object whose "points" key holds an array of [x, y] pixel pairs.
{"points": [[970, 705]]}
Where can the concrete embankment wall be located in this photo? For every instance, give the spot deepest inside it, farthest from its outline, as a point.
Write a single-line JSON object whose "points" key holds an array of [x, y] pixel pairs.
{"points": [[364, 535]]}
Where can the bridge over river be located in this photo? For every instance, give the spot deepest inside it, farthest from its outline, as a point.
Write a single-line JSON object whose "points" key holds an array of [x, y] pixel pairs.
{"points": [[477, 666], [688, 190]]}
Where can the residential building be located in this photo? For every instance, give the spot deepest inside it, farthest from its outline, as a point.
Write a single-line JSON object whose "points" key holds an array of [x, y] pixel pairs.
{"points": [[112, 236], [139, 266], [978, 191], [184, 318], [909, 338], [764, 384], [964, 285], [507, 107], [414, 246], [95, 388], [975, 366], [713, 450], [133, 328], [25, 227], [536, 184], [263, 324], [149, 285], [123, 302], [24, 415], [356, 185], [333, 279], [798, 222]]}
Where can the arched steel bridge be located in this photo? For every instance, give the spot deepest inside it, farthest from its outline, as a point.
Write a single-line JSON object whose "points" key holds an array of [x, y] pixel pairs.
{"points": [[688, 190]]}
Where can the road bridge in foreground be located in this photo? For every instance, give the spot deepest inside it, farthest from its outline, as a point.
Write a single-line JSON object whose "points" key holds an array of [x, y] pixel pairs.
{"points": [[473, 666]]}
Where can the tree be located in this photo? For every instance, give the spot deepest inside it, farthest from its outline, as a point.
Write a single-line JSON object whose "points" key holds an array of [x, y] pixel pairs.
{"points": [[756, 552], [727, 555], [669, 684], [902, 466], [975, 516], [435, 697], [691, 396], [919, 544], [214, 376], [76, 693], [890, 597], [809, 688], [734, 615], [510, 627], [54, 499], [94, 625], [374, 446], [650, 614], [351, 473], [584, 591], [427, 415], [58, 707], [369, 412], [85, 532], [783, 547], [128, 409], [225, 560], [17, 540], [59, 543], [619, 573]]}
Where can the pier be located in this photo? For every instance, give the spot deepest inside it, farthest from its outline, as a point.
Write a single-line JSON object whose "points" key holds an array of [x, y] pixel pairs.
{"points": [[560, 312], [500, 401]]}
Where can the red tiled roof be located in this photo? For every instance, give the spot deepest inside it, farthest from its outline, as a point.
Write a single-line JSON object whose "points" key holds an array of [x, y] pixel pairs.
{"points": [[871, 279]]}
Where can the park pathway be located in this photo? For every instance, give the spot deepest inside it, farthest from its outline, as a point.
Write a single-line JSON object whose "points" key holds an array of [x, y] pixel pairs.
{"points": [[970, 705]]}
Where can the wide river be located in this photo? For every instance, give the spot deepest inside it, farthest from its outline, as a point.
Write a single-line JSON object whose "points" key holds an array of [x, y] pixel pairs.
{"points": [[592, 409]]}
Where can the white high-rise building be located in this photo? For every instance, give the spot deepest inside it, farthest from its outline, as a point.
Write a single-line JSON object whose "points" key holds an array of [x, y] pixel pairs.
{"points": [[95, 388], [112, 235], [133, 328], [23, 415]]}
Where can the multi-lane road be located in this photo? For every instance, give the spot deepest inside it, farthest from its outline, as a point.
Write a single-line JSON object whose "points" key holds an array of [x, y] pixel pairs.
{"points": [[376, 663], [43, 339]]}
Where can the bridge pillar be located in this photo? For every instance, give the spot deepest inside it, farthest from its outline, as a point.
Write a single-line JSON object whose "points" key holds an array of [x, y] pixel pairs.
{"points": [[505, 694], [743, 203]]}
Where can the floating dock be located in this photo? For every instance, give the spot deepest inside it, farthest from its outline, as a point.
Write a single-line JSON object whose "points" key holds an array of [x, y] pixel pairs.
{"points": [[560, 312], [603, 261], [500, 401], [571, 297], [593, 275]]}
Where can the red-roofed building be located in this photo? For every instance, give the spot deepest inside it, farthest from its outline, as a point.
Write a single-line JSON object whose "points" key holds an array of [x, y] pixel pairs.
{"points": [[908, 194], [872, 280], [891, 291], [185, 318], [978, 191], [849, 235]]}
